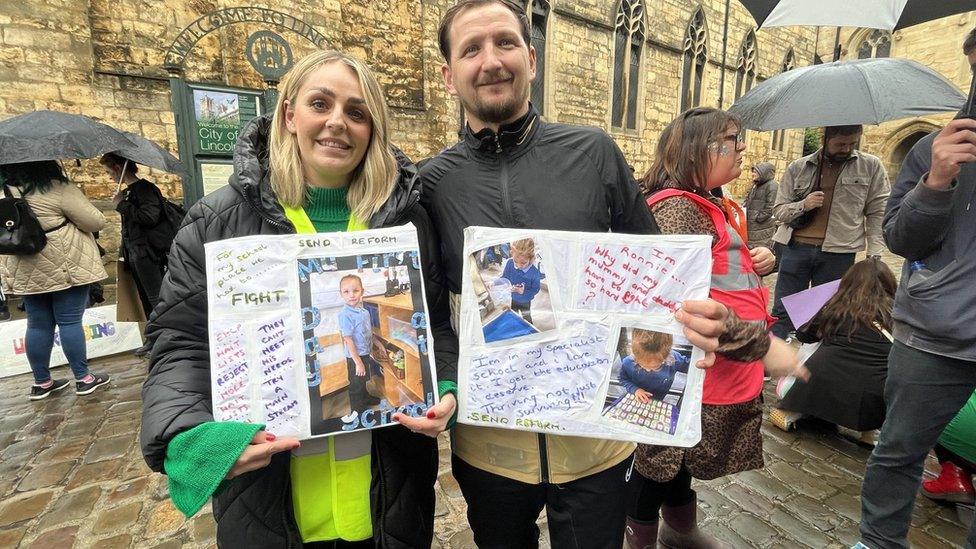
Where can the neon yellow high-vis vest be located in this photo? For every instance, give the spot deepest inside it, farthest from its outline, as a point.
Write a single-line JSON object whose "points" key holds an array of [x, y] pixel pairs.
{"points": [[330, 489]]}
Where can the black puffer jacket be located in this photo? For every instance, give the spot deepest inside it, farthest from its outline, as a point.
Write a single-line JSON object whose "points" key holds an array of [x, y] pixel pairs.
{"points": [[255, 509]]}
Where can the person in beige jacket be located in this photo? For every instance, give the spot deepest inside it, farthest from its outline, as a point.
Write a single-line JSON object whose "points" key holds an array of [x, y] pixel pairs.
{"points": [[829, 207], [54, 282]]}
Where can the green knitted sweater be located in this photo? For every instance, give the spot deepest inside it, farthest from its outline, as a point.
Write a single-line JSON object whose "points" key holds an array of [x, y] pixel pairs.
{"points": [[328, 209], [198, 460]]}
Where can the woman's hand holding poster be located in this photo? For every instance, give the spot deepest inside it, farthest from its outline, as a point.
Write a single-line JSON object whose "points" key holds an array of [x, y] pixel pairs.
{"points": [[319, 334], [574, 334]]}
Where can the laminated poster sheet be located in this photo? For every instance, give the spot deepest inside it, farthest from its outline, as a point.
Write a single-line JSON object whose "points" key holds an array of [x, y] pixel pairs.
{"points": [[319, 334], [574, 334]]}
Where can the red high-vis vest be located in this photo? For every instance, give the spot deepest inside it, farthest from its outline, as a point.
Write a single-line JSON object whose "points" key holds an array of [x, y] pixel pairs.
{"points": [[736, 285]]}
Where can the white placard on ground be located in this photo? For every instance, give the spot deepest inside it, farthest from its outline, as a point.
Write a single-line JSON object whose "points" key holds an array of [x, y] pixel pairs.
{"points": [[104, 336]]}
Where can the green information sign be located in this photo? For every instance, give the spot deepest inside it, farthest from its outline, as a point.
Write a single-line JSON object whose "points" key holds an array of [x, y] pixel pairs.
{"points": [[220, 115]]}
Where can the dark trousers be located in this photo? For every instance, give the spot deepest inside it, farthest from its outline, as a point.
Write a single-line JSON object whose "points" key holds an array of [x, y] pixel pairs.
{"points": [[922, 394], [148, 276], [588, 513], [649, 495], [802, 266], [359, 398]]}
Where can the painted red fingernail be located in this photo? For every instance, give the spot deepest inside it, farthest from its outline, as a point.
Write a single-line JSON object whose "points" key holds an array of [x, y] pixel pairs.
{"points": [[269, 437], [396, 417], [431, 414]]}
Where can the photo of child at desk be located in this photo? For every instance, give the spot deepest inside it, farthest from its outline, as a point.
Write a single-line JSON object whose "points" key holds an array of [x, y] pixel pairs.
{"points": [[511, 288], [365, 338], [647, 385]]}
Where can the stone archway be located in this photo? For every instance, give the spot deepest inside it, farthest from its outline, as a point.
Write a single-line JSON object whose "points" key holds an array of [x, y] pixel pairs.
{"points": [[895, 147], [901, 151]]}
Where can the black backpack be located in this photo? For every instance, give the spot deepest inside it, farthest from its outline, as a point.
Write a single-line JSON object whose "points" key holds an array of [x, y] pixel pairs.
{"points": [[172, 214], [20, 231]]}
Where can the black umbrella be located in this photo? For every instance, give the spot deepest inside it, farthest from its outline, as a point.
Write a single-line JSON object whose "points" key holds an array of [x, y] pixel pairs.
{"points": [[862, 91], [149, 153], [877, 14], [51, 135]]}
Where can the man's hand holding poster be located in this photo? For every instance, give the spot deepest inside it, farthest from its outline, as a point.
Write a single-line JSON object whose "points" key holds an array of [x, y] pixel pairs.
{"points": [[319, 334], [574, 334]]}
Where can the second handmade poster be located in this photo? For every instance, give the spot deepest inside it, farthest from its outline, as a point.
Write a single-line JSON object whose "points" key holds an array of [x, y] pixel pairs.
{"points": [[574, 333]]}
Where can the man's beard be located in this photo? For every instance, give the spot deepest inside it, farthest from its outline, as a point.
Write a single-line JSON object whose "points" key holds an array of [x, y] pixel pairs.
{"points": [[501, 111], [839, 158]]}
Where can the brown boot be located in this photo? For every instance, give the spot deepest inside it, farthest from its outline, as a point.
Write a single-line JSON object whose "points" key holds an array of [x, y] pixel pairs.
{"points": [[641, 534], [679, 529]]}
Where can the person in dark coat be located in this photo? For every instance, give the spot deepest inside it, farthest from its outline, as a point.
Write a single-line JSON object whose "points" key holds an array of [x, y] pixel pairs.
{"points": [[849, 369], [140, 204], [325, 156], [758, 204]]}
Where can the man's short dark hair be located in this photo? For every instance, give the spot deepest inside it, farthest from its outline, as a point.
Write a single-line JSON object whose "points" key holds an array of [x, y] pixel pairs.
{"points": [[835, 131], [444, 29], [970, 43]]}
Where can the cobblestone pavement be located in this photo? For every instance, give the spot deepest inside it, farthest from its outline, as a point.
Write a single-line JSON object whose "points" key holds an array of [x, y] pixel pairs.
{"points": [[71, 475]]}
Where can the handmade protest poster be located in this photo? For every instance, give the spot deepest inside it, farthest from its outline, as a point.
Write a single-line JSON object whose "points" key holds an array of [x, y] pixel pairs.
{"points": [[574, 333], [316, 335]]}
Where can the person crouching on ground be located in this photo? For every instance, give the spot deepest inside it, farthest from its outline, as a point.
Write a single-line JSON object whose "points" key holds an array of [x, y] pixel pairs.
{"points": [[848, 370]]}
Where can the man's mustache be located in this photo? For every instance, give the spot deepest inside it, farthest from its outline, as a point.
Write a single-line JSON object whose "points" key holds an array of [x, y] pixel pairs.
{"points": [[494, 78]]}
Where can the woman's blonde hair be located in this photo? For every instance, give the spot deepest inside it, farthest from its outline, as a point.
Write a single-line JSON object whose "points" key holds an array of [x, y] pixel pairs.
{"points": [[373, 180]]}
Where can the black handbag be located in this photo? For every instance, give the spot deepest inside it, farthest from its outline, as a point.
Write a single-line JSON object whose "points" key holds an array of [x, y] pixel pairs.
{"points": [[20, 231]]}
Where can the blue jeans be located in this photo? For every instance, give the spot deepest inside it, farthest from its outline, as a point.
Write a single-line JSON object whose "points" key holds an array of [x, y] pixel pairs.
{"points": [[63, 308], [922, 394], [802, 266]]}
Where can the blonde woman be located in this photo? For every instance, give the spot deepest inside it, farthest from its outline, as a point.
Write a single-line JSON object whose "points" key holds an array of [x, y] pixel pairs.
{"points": [[323, 162]]}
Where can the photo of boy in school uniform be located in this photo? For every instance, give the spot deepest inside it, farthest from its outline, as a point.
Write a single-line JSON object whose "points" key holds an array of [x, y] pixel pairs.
{"points": [[525, 276], [356, 328]]}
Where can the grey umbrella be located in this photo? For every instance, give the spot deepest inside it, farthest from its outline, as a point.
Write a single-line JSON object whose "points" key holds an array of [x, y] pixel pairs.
{"points": [[877, 14], [52, 135], [149, 153], [864, 91]]}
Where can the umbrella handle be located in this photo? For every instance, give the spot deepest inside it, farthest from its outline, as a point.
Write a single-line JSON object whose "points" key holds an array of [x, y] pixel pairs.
{"points": [[118, 186]]}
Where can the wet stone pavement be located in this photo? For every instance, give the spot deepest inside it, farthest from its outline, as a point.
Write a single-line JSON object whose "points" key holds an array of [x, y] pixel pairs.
{"points": [[71, 475]]}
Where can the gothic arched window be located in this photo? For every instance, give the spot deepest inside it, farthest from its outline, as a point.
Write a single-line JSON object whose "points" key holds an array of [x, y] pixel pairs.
{"points": [[875, 45], [779, 136], [629, 33], [695, 56], [538, 13], [745, 74]]}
